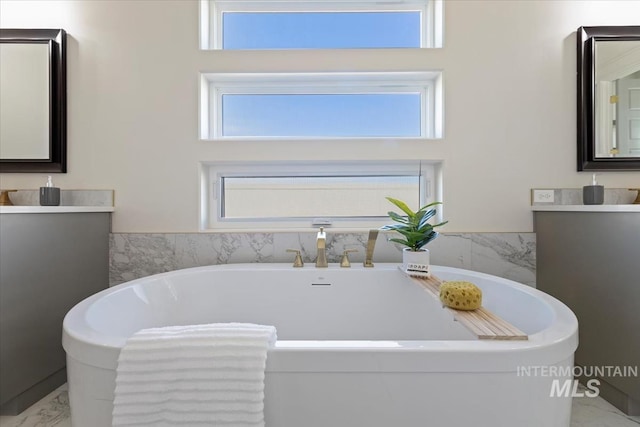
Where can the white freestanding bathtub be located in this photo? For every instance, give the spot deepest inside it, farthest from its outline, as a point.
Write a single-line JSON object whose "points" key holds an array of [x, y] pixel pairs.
{"points": [[356, 346]]}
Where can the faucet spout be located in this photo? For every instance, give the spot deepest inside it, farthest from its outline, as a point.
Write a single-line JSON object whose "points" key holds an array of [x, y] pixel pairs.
{"points": [[321, 245], [371, 244]]}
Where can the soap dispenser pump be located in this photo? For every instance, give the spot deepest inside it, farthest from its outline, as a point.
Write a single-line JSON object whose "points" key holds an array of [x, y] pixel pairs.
{"points": [[593, 194], [49, 195]]}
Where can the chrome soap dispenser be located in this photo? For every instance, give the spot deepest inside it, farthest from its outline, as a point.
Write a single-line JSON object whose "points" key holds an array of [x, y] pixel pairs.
{"points": [[49, 195]]}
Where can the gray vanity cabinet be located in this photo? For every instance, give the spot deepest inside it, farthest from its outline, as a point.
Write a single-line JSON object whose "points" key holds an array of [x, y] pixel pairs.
{"points": [[48, 263], [591, 262]]}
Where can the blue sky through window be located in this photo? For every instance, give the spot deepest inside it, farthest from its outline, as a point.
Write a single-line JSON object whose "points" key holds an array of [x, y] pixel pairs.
{"points": [[320, 30], [322, 115]]}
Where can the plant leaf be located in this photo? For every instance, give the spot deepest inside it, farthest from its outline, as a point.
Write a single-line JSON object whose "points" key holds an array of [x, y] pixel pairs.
{"points": [[400, 241], [402, 205], [441, 224], [426, 217], [430, 205], [398, 218], [427, 239], [393, 227]]}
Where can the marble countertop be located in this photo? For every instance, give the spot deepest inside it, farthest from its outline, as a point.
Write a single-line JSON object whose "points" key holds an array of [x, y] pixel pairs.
{"points": [[586, 208], [53, 209]]}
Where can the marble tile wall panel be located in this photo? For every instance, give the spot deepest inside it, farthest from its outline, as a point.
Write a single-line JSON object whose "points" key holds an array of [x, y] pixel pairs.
{"points": [[67, 197], [508, 255], [135, 255], [195, 250]]}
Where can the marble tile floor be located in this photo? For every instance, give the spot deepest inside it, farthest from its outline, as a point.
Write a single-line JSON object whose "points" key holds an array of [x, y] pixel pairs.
{"points": [[50, 411], [53, 411]]}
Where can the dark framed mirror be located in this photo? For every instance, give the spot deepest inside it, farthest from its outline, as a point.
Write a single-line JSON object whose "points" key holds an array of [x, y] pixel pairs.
{"points": [[609, 98], [33, 100]]}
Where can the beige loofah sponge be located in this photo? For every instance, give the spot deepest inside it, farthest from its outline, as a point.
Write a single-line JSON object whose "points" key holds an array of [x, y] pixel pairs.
{"points": [[461, 295]]}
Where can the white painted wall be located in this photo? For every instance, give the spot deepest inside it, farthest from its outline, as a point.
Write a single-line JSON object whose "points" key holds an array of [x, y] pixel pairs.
{"points": [[133, 76]]}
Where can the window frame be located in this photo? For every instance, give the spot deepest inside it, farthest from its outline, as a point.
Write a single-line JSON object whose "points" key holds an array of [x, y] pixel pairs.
{"points": [[430, 189], [211, 12], [215, 85]]}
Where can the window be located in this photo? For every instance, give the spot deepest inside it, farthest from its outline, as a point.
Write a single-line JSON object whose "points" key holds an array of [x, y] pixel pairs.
{"points": [[326, 24], [322, 105], [269, 89], [340, 194]]}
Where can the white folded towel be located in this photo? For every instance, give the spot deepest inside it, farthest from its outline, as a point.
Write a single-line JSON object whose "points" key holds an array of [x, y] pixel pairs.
{"points": [[198, 375]]}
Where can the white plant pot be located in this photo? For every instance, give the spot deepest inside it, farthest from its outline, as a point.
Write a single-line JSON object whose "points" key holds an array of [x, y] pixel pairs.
{"points": [[416, 263]]}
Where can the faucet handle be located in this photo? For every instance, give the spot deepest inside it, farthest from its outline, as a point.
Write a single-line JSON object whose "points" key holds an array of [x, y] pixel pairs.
{"points": [[345, 258], [298, 261]]}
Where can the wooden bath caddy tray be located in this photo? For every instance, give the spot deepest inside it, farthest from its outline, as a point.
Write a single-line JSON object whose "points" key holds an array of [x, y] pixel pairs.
{"points": [[483, 323]]}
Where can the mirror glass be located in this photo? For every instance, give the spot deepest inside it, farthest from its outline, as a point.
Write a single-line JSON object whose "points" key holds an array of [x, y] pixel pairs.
{"points": [[32, 100], [24, 101], [608, 98], [617, 98]]}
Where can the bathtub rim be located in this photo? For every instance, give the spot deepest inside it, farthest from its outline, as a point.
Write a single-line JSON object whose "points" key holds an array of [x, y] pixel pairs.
{"points": [[546, 347]]}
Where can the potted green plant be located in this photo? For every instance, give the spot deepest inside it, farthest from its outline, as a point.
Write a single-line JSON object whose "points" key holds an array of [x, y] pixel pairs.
{"points": [[416, 232]]}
